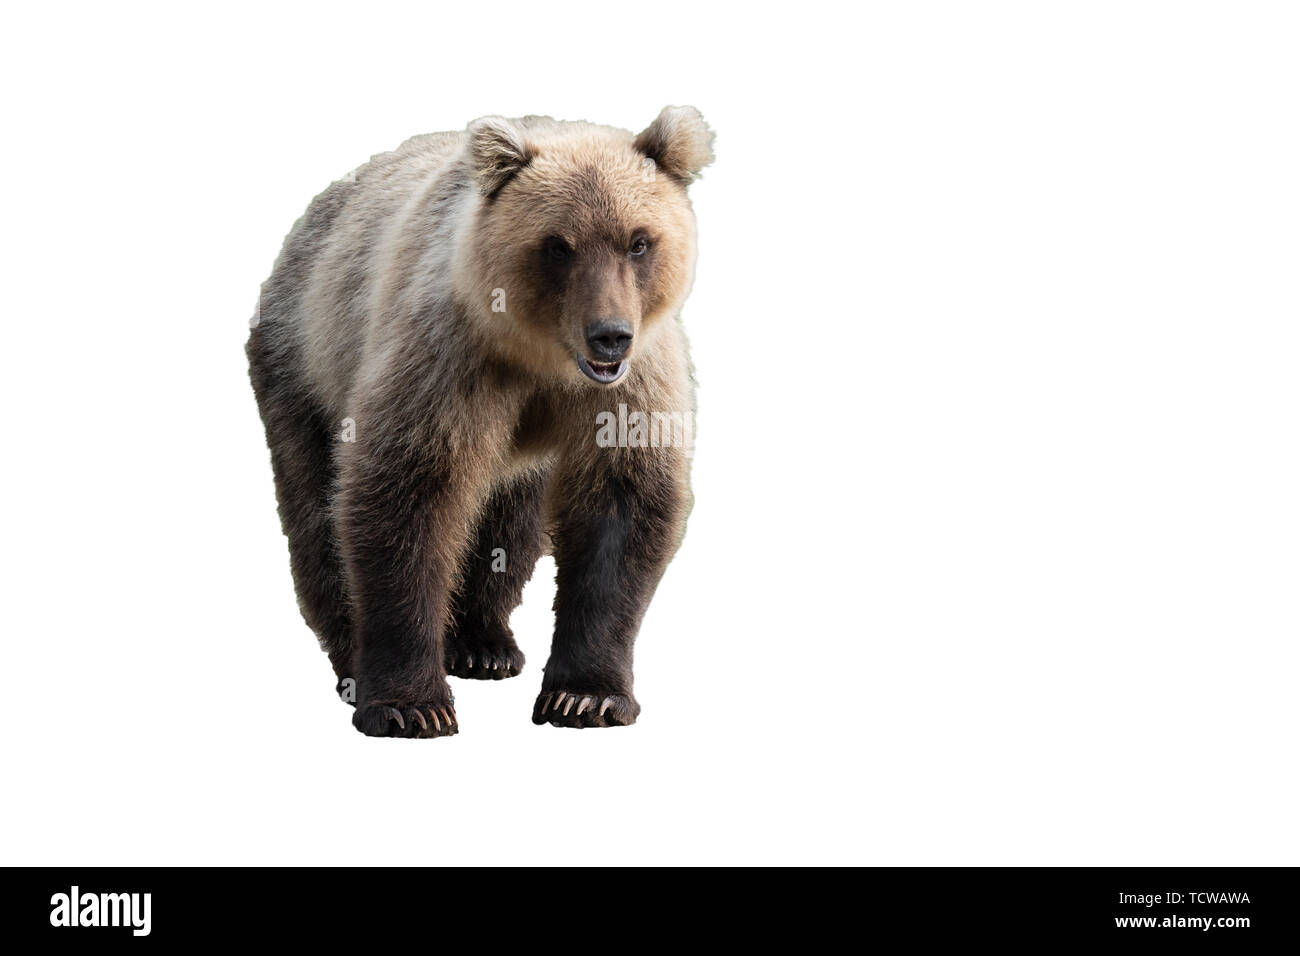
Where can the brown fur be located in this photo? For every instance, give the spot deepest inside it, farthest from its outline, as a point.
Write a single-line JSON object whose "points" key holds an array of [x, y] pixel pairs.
{"points": [[474, 427]]}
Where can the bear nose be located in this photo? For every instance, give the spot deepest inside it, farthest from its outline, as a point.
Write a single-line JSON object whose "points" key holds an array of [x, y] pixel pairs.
{"points": [[609, 339]]}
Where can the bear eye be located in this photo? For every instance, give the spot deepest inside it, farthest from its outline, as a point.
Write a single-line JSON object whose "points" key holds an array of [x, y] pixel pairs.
{"points": [[639, 245], [557, 250]]}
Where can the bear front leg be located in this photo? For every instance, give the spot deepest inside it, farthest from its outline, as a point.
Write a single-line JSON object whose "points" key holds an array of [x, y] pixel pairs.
{"points": [[618, 523], [403, 520]]}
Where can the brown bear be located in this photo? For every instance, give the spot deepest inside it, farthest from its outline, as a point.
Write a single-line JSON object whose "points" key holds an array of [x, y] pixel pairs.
{"points": [[442, 336]]}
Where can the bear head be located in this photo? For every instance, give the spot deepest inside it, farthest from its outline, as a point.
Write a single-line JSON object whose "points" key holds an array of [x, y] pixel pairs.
{"points": [[579, 245]]}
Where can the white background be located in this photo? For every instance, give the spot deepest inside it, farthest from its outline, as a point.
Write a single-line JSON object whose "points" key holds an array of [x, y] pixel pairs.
{"points": [[995, 552]]}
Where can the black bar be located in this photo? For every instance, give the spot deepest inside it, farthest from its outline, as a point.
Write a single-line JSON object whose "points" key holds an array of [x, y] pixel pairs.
{"points": [[1225, 908]]}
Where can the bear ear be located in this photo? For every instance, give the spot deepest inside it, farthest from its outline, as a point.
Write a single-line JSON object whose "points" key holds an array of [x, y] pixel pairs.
{"points": [[679, 142], [497, 150]]}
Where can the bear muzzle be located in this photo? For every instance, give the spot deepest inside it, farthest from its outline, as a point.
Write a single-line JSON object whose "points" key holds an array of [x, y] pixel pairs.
{"points": [[608, 342]]}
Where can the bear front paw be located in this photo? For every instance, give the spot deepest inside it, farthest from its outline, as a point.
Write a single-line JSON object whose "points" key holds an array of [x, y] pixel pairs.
{"points": [[377, 719], [585, 709]]}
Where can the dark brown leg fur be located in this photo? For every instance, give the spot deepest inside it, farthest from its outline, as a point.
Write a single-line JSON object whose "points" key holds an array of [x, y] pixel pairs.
{"points": [[615, 532], [403, 512], [302, 457], [479, 642]]}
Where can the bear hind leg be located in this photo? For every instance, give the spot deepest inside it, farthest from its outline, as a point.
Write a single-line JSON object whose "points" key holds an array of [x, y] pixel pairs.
{"points": [[302, 459], [507, 543]]}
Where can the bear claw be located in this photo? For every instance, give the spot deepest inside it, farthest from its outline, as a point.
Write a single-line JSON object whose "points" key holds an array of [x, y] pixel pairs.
{"points": [[494, 664], [567, 709], [403, 720]]}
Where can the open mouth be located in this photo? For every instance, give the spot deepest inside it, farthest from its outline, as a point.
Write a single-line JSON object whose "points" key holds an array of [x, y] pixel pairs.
{"points": [[606, 373]]}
